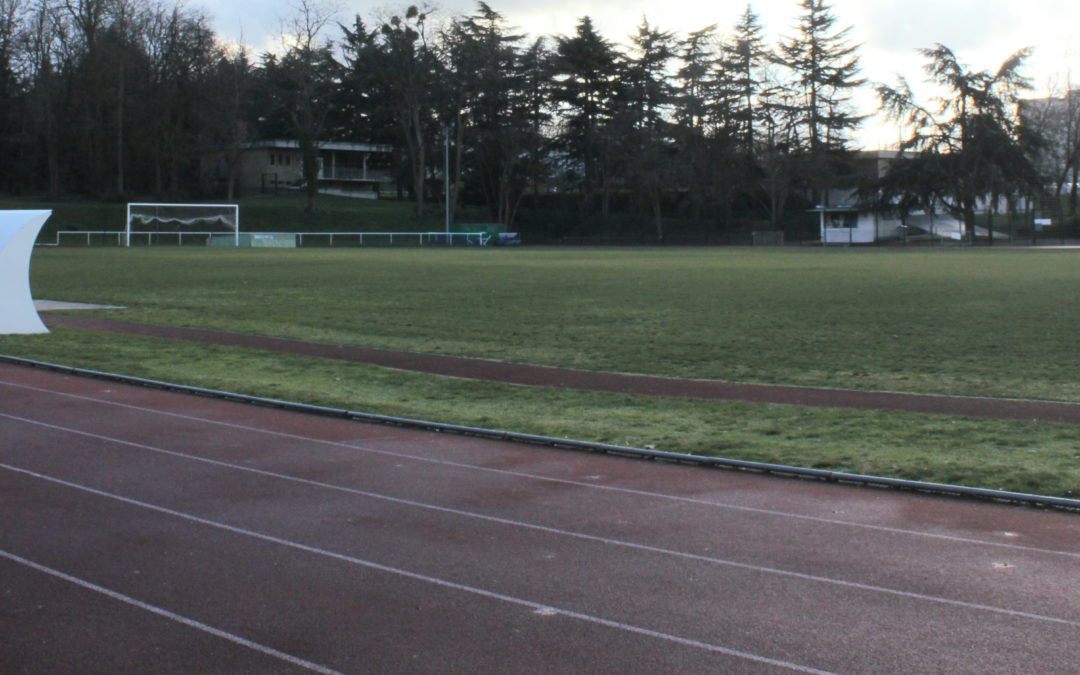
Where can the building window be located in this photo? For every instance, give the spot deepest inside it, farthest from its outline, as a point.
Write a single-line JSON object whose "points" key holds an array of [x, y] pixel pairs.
{"points": [[271, 159], [845, 220]]}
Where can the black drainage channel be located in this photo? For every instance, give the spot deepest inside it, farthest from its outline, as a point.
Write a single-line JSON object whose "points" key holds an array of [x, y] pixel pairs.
{"points": [[940, 489]]}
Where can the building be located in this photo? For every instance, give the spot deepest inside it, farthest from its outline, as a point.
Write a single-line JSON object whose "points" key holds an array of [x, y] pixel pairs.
{"points": [[1058, 119], [350, 169], [844, 221]]}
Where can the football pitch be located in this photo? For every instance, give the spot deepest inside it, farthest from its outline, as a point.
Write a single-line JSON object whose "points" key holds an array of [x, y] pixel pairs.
{"points": [[997, 323]]}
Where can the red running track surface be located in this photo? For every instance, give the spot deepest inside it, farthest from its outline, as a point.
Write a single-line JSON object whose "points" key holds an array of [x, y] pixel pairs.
{"points": [[150, 531]]}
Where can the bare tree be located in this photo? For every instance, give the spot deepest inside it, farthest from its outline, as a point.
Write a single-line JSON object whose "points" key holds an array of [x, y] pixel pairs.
{"points": [[1057, 119]]}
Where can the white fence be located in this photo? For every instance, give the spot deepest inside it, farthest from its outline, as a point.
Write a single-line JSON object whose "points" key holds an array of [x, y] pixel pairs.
{"points": [[312, 239]]}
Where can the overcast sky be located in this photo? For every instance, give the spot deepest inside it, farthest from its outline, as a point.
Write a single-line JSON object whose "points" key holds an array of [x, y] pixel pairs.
{"points": [[982, 32]]}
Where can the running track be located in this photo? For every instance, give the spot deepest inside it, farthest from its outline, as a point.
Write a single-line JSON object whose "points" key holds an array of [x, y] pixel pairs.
{"points": [[150, 531]]}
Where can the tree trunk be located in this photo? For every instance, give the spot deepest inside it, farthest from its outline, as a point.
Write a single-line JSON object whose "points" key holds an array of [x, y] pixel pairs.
{"points": [[310, 159], [459, 150], [657, 212], [120, 134], [1073, 197], [419, 159]]}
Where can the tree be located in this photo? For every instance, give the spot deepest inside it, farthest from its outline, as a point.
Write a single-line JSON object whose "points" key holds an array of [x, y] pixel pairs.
{"points": [[584, 85], [1057, 119], [824, 68], [408, 70], [971, 139], [11, 91], [697, 57], [363, 110], [641, 123], [535, 68], [102, 61], [482, 106], [41, 55], [225, 122], [302, 83], [744, 55], [737, 110], [182, 55]]}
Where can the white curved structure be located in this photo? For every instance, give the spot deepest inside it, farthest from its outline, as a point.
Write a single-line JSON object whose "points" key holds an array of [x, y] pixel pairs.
{"points": [[18, 231]]}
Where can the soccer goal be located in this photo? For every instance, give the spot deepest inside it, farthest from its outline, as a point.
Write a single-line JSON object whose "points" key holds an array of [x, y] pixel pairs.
{"points": [[177, 220]]}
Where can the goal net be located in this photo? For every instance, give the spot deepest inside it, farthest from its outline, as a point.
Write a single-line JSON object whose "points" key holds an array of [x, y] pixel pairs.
{"points": [[149, 219]]}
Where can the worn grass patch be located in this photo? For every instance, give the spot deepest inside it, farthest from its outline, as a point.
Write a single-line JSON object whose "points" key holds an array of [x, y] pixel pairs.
{"points": [[1029, 457]]}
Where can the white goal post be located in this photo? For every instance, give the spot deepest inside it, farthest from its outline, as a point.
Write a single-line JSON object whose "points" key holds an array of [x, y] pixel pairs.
{"points": [[160, 217]]}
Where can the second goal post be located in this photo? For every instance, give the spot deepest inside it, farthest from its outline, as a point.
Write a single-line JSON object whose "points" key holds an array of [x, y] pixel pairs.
{"points": [[152, 218]]}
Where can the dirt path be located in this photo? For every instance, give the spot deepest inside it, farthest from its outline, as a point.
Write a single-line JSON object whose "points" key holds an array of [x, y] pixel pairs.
{"points": [[531, 375]]}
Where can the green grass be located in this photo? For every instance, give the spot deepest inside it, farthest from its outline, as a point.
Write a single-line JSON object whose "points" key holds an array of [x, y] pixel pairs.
{"points": [[996, 323], [999, 323]]}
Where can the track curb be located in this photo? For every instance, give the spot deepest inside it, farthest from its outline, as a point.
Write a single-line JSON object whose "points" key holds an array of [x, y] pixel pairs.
{"points": [[840, 477]]}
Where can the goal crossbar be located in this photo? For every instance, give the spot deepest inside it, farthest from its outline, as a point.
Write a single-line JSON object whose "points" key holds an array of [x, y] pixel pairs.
{"points": [[182, 214]]}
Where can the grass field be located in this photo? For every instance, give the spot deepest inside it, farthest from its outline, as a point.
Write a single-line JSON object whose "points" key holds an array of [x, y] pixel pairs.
{"points": [[984, 322]]}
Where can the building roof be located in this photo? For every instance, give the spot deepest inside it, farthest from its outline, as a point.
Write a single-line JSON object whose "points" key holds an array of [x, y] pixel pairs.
{"points": [[281, 144]]}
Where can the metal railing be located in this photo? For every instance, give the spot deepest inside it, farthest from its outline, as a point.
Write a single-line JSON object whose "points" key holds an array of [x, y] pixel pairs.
{"points": [[310, 239], [393, 238]]}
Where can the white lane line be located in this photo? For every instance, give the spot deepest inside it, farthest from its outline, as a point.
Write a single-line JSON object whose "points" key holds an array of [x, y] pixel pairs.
{"points": [[537, 607], [172, 616], [562, 481], [557, 531]]}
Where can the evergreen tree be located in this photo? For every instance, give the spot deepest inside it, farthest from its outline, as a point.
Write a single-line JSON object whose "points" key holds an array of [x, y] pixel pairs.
{"points": [[485, 107], [409, 71], [585, 76], [972, 141], [824, 74], [697, 56], [744, 55], [642, 131]]}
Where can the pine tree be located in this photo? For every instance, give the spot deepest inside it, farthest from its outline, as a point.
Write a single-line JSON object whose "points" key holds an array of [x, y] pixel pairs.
{"points": [[824, 74], [585, 70], [744, 55]]}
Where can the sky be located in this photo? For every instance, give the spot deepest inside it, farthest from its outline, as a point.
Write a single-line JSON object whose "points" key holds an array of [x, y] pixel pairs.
{"points": [[983, 33]]}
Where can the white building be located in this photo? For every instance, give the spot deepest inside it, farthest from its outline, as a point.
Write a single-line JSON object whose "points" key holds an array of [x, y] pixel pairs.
{"points": [[844, 222]]}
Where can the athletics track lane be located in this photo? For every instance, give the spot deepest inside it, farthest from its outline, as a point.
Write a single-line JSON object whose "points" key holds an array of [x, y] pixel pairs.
{"points": [[149, 531]]}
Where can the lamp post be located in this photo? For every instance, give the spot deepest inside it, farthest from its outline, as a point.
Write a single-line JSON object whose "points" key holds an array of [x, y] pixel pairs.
{"points": [[446, 176]]}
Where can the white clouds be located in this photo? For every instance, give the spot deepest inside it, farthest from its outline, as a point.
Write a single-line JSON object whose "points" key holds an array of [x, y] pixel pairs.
{"points": [[962, 25], [252, 22]]}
